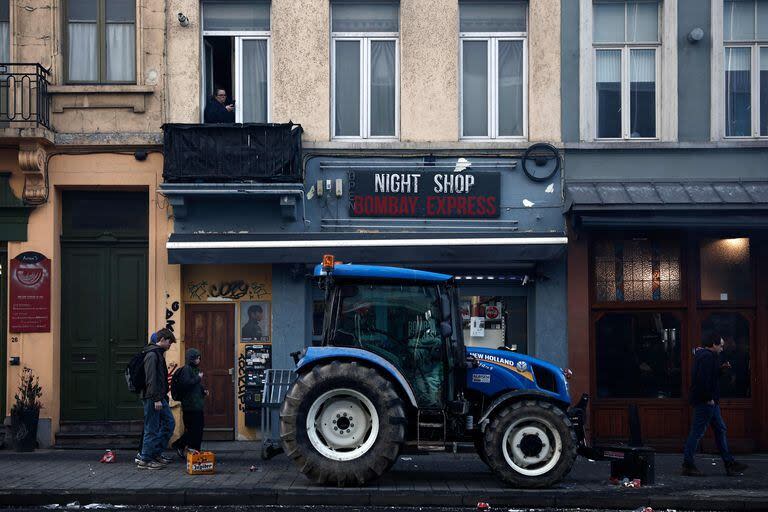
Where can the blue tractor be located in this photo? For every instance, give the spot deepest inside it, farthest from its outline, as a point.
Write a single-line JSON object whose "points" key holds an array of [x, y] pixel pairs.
{"points": [[393, 373]]}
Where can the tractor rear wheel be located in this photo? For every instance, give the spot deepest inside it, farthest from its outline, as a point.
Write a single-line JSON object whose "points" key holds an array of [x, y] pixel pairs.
{"points": [[342, 423], [530, 444]]}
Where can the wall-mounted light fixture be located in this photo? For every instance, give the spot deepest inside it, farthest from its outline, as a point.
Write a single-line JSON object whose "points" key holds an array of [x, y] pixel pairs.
{"points": [[183, 20], [695, 35]]}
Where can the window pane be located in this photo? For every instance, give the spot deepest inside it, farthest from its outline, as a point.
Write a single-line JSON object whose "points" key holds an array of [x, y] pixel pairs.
{"points": [[357, 16], [5, 42], [642, 22], [608, 22], [82, 10], [82, 52], [738, 20], [121, 52], [347, 88], [475, 89], [638, 355], [233, 15], [762, 20], [738, 94], [764, 90], [726, 273], [254, 98], [510, 88], [608, 86], [492, 16], [5, 14], [382, 88], [734, 329], [121, 10], [642, 93], [504, 322]]}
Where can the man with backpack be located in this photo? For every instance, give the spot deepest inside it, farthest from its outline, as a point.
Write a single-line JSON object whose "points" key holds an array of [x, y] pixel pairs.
{"points": [[187, 387], [148, 375]]}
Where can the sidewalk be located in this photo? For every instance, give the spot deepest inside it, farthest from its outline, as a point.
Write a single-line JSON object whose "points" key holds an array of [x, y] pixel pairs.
{"points": [[63, 476]]}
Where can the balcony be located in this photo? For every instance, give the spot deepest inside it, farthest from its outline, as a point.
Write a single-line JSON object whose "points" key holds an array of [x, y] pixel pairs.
{"points": [[232, 153], [24, 98]]}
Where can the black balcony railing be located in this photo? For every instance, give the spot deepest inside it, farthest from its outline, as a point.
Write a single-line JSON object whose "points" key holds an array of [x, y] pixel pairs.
{"points": [[225, 153], [24, 94]]}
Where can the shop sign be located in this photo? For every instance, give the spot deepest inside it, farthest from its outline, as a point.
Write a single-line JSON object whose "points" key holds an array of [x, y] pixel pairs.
{"points": [[492, 312], [427, 194], [30, 293]]}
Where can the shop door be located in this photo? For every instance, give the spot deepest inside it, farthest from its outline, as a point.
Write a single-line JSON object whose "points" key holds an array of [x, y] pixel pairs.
{"points": [[104, 322], [210, 328]]}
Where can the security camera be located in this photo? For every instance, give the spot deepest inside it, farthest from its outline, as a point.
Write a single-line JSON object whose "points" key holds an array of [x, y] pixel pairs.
{"points": [[183, 20]]}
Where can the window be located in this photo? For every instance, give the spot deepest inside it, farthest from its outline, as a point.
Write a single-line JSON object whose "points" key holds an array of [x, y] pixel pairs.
{"points": [[734, 329], [745, 35], [495, 321], [726, 272], [637, 270], [101, 41], [365, 68], [493, 68], [5, 32], [626, 41]]}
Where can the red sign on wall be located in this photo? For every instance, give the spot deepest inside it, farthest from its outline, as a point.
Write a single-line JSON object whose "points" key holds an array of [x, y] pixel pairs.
{"points": [[30, 294]]}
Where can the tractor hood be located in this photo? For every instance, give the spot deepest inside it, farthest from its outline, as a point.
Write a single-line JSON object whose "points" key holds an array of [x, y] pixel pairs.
{"points": [[502, 371]]}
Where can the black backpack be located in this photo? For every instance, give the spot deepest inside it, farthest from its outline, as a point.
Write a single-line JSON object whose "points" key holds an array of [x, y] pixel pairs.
{"points": [[135, 376], [177, 391]]}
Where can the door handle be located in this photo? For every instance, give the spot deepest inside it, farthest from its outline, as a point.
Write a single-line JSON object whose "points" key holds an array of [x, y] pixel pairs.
{"points": [[231, 372]]}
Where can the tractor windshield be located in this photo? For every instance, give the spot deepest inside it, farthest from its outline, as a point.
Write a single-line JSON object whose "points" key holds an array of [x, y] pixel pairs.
{"points": [[399, 323]]}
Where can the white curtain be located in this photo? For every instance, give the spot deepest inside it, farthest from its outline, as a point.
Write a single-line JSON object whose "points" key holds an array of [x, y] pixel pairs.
{"points": [[762, 20], [642, 22], [510, 88], [492, 16], [382, 88], [608, 22], [254, 100], [642, 66], [121, 52], [475, 89], [738, 91], [738, 20], [608, 66], [738, 59], [5, 42], [83, 55], [365, 16], [236, 15], [347, 88]]}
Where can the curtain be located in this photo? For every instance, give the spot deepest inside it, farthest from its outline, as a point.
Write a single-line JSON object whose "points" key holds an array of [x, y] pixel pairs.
{"points": [[254, 98], [121, 52], [510, 88], [83, 54], [764, 91], [642, 93], [475, 89], [236, 15], [347, 88], [608, 89], [492, 16], [5, 42], [365, 16], [608, 23], [738, 20], [738, 94], [383, 88], [642, 22], [762, 20]]}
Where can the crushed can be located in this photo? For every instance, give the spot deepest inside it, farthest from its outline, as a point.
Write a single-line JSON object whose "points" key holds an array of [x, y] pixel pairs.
{"points": [[108, 457], [201, 463], [481, 505]]}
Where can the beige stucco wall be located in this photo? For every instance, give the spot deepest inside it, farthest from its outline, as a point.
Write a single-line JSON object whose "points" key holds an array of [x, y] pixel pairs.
{"points": [[429, 70], [184, 62], [544, 71]]}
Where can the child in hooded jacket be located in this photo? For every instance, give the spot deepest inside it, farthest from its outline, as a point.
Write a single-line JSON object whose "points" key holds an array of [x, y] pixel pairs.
{"points": [[192, 404]]}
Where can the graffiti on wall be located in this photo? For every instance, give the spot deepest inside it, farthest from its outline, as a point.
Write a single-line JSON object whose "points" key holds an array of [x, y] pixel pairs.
{"points": [[170, 312], [231, 290]]}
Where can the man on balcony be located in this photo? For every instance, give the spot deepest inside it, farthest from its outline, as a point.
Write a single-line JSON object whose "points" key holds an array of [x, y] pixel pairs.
{"points": [[219, 109]]}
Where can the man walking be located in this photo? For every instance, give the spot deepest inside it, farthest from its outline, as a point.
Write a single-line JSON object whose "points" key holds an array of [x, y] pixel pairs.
{"points": [[190, 384], [705, 398], [158, 420]]}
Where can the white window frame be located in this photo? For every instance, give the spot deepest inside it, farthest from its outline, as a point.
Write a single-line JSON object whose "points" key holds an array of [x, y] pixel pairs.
{"points": [[492, 40], [238, 86], [666, 76], [719, 46], [365, 39]]}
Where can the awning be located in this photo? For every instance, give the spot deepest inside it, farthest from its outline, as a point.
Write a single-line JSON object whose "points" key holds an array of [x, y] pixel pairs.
{"points": [[458, 249]]}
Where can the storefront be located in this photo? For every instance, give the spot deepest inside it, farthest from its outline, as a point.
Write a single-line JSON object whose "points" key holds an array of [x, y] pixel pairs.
{"points": [[655, 268]]}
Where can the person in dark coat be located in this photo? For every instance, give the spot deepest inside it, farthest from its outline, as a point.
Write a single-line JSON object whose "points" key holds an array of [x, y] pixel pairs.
{"points": [[219, 109], [705, 399], [190, 380]]}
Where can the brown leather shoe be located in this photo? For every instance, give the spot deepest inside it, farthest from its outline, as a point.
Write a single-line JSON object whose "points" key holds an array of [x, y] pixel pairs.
{"points": [[690, 470]]}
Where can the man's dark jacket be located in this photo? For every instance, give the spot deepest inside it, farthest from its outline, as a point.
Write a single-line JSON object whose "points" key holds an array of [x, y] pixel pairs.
{"points": [[193, 398], [156, 374], [705, 377], [215, 112]]}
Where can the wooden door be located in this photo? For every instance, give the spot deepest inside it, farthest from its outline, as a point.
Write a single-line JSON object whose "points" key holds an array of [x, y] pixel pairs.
{"points": [[210, 328]]}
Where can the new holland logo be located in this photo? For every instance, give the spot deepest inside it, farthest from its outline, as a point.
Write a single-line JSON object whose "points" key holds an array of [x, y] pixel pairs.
{"points": [[519, 367]]}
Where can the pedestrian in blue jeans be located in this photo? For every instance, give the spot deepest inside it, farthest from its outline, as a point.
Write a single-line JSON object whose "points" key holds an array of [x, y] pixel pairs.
{"points": [[705, 399], [158, 420]]}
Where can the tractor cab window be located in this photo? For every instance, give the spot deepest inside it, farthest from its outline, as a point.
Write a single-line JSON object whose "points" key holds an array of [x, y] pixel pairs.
{"points": [[401, 324]]}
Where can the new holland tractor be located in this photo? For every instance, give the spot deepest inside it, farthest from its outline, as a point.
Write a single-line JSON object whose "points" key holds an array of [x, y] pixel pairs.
{"points": [[392, 373]]}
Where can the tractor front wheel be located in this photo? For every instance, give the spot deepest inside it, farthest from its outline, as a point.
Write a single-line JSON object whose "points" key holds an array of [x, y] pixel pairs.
{"points": [[342, 423], [530, 444]]}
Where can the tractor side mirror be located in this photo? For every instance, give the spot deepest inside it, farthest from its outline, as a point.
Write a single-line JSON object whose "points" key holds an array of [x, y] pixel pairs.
{"points": [[445, 307], [445, 329]]}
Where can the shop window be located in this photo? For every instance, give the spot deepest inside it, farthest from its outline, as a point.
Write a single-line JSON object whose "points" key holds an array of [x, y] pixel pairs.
{"points": [[90, 214], [495, 321], [638, 355], [726, 272], [637, 270], [734, 329]]}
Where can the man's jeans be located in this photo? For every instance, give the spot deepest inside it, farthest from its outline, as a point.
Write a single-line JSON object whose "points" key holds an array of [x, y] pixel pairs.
{"points": [[158, 429], [704, 415]]}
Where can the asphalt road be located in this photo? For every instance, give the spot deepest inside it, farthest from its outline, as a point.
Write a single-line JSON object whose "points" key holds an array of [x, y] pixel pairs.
{"points": [[110, 508]]}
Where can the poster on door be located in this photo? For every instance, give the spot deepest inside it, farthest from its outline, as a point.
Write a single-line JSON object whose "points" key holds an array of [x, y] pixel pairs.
{"points": [[255, 322], [30, 293]]}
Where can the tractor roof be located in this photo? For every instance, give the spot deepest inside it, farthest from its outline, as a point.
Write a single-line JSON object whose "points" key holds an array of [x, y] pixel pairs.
{"points": [[377, 272]]}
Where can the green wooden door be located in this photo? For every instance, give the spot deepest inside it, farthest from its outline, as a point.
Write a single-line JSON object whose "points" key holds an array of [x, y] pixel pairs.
{"points": [[104, 322]]}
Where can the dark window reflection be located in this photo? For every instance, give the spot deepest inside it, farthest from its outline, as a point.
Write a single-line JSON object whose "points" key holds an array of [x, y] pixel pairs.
{"points": [[638, 355], [734, 329]]}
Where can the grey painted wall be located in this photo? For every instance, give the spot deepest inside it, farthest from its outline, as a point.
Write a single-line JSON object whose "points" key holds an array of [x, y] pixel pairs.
{"points": [[551, 337], [569, 75], [694, 68], [289, 299]]}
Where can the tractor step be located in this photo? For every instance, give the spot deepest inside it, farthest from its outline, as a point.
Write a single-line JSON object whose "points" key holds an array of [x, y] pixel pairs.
{"points": [[431, 425], [430, 430]]}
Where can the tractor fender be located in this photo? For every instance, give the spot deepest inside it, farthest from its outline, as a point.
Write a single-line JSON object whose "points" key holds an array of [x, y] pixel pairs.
{"points": [[519, 395], [316, 355]]}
